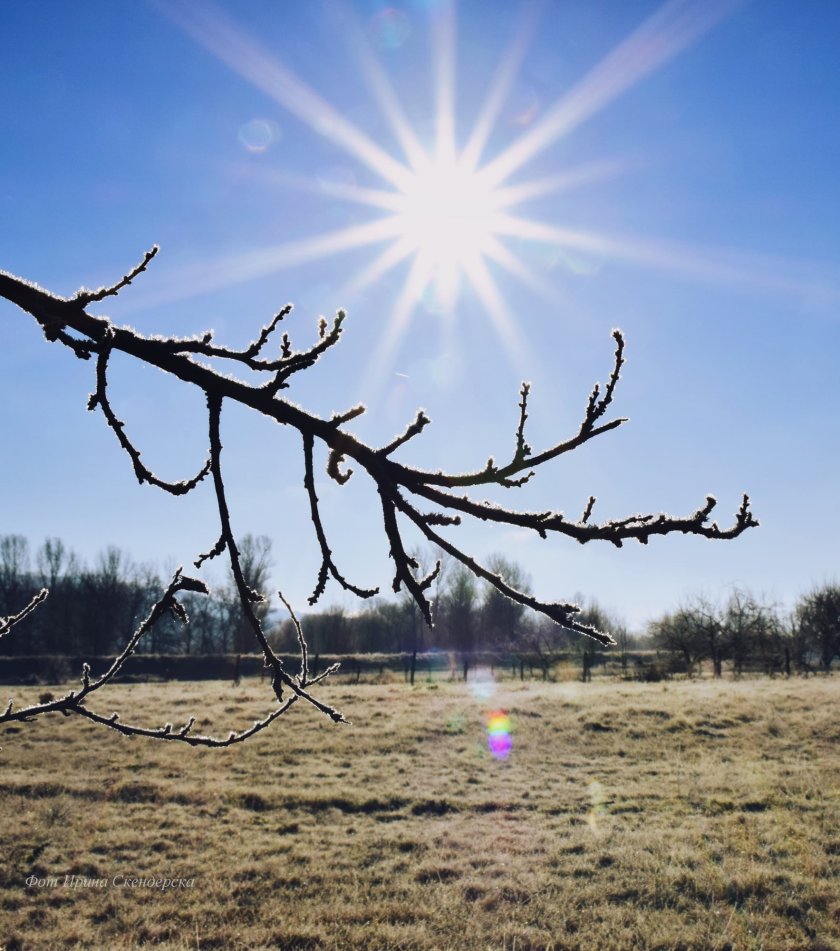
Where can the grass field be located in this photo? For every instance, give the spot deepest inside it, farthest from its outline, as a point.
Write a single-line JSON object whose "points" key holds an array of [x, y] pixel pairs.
{"points": [[687, 815]]}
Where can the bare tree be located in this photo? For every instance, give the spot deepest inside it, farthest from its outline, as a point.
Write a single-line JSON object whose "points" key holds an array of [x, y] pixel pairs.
{"points": [[14, 569], [56, 570], [746, 623], [459, 610], [818, 619], [428, 500], [110, 611], [501, 617], [709, 622], [679, 633], [596, 615]]}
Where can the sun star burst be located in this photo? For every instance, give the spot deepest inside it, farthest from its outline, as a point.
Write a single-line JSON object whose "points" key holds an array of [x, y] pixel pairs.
{"points": [[448, 210]]}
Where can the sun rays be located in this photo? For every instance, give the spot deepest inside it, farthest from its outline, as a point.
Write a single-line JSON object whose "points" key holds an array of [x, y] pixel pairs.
{"points": [[446, 213]]}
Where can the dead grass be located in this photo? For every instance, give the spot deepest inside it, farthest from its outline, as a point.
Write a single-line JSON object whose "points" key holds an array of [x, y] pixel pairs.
{"points": [[688, 816]]}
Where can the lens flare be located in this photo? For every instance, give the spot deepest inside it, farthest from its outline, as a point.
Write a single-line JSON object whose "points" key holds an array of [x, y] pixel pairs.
{"points": [[524, 105], [482, 684], [499, 739], [390, 28], [598, 806], [259, 135]]}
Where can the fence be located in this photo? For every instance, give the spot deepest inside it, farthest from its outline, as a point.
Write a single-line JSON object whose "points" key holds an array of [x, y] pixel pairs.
{"points": [[354, 668]]}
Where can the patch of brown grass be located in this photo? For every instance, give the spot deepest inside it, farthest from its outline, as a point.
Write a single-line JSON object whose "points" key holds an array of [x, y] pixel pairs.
{"points": [[692, 816]]}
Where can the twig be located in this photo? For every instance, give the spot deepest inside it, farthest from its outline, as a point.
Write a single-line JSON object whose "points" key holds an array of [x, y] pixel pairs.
{"points": [[83, 297], [7, 623]]}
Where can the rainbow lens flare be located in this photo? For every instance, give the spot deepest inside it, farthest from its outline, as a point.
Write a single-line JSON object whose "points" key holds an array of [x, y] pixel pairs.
{"points": [[498, 734]]}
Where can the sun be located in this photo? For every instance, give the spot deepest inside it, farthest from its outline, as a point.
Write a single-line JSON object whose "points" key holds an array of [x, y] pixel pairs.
{"points": [[447, 215], [447, 212]]}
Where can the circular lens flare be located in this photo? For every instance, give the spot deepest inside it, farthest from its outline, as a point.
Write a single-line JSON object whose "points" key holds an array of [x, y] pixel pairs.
{"points": [[390, 28], [259, 135]]}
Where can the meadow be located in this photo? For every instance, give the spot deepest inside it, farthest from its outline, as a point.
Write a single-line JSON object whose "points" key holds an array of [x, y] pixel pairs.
{"points": [[687, 815]]}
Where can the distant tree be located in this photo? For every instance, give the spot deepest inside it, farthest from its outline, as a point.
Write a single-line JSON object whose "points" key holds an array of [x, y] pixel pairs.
{"points": [[624, 641], [746, 624], [818, 622], [799, 648], [744, 631], [680, 633], [428, 499], [501, 618], [539, 642], [110, 600], [385, 628], [58, 571], [15, 582], [283, 636], [54, 562], [458, 613], [209, 624], [770, 640], [326, 632], [595, 614], [709, 621]]}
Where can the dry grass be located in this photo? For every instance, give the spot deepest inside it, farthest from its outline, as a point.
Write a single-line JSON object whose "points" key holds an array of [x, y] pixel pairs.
{"points": [[689, 816]]}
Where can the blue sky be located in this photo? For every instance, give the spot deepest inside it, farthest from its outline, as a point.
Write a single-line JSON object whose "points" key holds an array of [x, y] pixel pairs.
{"points": [[675, 170]]}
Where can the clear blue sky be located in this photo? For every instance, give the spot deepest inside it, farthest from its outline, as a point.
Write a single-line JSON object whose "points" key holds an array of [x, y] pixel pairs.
{"points": [[667, 169]]}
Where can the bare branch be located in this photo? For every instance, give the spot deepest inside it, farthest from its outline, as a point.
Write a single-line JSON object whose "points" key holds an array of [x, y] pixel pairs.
{"points": [[303, 676], [294, 362], [214, 552], [246, 596], [339, 419], [74, 702], [100, 399], [267, 331], [400, 487], [596, 408], [522, 448], [334, 467], [83, 297], [7, 623], [559, 613], [413, 429], [403, 562], [327, 564]]}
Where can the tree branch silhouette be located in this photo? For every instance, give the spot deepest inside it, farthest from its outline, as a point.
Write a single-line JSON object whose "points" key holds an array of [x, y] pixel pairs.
{"points": [[401, 488]]}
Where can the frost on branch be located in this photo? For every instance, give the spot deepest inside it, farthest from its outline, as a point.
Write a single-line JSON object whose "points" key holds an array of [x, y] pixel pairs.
{"points": [[405, 493]]}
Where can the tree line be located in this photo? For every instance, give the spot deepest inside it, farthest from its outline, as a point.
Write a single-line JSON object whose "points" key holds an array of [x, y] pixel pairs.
{"points": [[92, 609], [744, 633]]}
